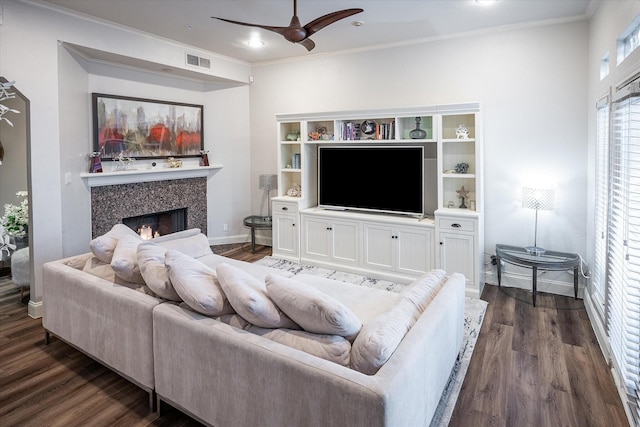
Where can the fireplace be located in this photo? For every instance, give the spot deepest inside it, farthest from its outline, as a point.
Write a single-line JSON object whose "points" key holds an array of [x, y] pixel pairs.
{"points": [[157, 224], [112, 204]]}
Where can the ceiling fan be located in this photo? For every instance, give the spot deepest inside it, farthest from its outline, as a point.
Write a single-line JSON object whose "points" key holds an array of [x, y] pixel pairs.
{"points": [[295, 32]]}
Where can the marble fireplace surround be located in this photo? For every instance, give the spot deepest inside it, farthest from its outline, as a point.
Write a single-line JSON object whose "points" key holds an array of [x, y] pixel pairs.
{"points": [[111, 203]]}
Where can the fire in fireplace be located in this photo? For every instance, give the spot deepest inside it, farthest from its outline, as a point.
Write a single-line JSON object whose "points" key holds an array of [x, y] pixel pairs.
{"points": [[158, 224]]}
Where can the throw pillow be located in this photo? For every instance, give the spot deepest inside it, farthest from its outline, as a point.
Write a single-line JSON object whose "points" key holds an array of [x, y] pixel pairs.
{"points": [[103, 246], [333, 348], [424, 289], [154, 272], [196, 284], [248, 296], [125, 259], [311, 308], [177, 235], [195, 246], [379, 338]]}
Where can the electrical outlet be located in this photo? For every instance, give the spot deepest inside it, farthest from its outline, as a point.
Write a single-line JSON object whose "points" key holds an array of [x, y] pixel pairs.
{"points": [[225, 227]]}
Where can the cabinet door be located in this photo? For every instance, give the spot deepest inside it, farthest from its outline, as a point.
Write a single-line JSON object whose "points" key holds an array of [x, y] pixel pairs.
{"points": [[457, 254], [315, 238], [379, 246], [344, 242], [285, 232], [415, 253]]}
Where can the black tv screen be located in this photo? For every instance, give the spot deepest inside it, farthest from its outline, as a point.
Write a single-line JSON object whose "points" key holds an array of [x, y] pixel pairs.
{"points": [[371, 178]]}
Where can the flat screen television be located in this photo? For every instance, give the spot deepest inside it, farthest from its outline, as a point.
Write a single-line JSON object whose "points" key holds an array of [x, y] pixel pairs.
{"points": [[372, 178]]}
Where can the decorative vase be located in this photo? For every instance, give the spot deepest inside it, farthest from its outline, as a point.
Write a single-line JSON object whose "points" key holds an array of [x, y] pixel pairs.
{"points": [[20, 242], [204, 159], [418, 133]]}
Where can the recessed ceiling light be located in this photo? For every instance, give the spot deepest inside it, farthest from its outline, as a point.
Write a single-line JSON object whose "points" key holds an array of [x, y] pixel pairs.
{"points": [[357, 23]]}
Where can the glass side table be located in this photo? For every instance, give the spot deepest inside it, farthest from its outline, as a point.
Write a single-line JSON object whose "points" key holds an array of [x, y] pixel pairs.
{"points": [[549, 261], [256, 222]]}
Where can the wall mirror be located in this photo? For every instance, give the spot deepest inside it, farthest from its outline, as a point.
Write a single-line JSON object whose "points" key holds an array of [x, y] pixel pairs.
{"points": [[14, 179]]}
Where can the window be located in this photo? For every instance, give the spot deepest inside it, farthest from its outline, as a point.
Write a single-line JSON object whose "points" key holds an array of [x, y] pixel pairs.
{"points": [[623, 240], [629, 40], [598, 278]]}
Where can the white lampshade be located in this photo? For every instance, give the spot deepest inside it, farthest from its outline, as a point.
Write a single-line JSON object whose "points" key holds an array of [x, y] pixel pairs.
{"points": [[537, 198]]}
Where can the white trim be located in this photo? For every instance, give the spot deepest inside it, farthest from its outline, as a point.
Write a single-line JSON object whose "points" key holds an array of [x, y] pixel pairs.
{"points": [[146, 175], [35, 309], [524, 281]]}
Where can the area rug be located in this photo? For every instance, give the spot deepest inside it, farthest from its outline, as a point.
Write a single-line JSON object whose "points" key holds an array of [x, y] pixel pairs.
{"points": [[474, 311]]}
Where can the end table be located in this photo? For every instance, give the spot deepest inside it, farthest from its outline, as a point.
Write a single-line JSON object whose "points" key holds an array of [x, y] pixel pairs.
{"points": [[550, 260], [256, 222]]}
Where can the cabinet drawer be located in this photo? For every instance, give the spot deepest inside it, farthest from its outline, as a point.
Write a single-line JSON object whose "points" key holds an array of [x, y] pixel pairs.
{"points": [[284, 207], [456, 224]]}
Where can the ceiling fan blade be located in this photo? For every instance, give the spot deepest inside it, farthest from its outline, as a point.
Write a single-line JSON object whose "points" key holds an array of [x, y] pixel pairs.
{"points": [[319, 23], [308, 43], [279, 30]]}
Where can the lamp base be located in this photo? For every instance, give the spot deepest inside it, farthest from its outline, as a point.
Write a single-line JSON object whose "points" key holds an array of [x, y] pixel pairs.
{"points": [[535, 250]]}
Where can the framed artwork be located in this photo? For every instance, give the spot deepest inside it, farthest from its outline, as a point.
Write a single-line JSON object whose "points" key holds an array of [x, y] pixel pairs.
{"points": [[145, 128]]}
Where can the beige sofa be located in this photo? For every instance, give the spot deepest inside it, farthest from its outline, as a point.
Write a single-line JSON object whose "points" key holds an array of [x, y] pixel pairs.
{"points": [[225, 375]]}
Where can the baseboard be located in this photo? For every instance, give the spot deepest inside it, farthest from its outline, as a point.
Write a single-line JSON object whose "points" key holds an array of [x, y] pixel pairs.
{"points": [[523, 280], [35, 309], [227, 240]]}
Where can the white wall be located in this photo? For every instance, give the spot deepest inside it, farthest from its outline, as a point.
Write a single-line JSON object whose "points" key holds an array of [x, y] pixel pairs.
{"points": [[531, 85], [58, 84]]}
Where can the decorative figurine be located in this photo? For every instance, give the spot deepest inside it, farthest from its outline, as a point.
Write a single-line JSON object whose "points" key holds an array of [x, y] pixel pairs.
{"points": [[295, 191], [462, 132], [174, 163], [462, 193], [462, 167], [96, 163], [204, 160]]}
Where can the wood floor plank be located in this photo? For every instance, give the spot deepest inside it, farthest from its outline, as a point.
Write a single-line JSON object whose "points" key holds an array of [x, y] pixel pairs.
{"points": [[525, 384]]}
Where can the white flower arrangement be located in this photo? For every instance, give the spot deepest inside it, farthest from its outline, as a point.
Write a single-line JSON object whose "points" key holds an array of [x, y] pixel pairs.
{"points": [[16, 217], [4, 95]]}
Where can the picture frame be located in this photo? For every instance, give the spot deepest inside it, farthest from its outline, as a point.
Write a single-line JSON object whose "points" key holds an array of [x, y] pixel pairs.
{"points": [[143, 128]]}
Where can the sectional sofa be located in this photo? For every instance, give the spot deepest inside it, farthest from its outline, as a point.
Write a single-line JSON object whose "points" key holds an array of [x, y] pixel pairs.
{"points": [[239, 344]]}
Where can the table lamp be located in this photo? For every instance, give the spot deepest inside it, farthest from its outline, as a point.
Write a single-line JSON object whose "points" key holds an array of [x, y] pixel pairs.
{"points": [[538, 199], [267, 183]]}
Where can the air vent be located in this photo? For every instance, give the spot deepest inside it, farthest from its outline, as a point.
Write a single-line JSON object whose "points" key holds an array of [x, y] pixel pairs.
{"points": [[198, 61]]}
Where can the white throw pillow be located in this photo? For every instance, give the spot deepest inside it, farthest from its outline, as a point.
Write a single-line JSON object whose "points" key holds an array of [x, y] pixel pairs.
{"points": [[424, 289], [125, 259], [379, 338], [196, 284], [177, 235], [333, 348], [103, 246], [311, 308], [154, 272], [195, 246], [249, 298]]}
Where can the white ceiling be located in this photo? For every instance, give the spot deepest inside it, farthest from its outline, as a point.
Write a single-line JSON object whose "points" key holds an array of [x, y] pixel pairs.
{"points": [[385, 21]]}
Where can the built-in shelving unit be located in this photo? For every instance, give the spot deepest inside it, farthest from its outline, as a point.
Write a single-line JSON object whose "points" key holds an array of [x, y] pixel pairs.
{"points": [[452, 137]]}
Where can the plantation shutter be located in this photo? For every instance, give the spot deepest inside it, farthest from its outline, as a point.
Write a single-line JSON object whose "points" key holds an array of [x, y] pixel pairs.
{"points": [[598, 281], [623, 305]]}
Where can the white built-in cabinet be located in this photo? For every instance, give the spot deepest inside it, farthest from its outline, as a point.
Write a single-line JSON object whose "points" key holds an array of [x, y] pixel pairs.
{"points": [[391, 247]]}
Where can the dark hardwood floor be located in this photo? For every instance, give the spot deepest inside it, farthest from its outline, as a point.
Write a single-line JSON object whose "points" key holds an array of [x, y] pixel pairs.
{"points": [[531, 367]]}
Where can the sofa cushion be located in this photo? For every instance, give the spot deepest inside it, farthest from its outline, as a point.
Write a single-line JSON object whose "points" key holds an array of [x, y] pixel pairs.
{"points": [[424, 289], [100, 269], [154, 272], [103, 246], [177, 235], [248, 296], [312, 309], [330, 347], [196, 284], [125, 259]]}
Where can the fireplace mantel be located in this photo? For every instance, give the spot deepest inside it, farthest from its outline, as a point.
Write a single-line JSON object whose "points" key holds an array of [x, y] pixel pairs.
{"points": [[147, 175]]}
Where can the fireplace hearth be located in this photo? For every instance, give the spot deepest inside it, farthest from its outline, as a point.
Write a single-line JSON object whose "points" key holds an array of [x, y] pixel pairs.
{"points": [[111, 204]]}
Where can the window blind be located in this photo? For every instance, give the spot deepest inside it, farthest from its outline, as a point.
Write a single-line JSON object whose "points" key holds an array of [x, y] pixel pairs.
{"points": [[598, 276], [623, 258]]}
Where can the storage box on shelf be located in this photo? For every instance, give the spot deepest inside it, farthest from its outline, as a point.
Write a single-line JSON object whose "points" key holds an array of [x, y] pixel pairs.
{"points": [[451, 135]]}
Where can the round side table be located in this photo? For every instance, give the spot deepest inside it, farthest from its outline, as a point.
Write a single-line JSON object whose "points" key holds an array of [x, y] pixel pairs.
{"points": [[256, 222]]}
